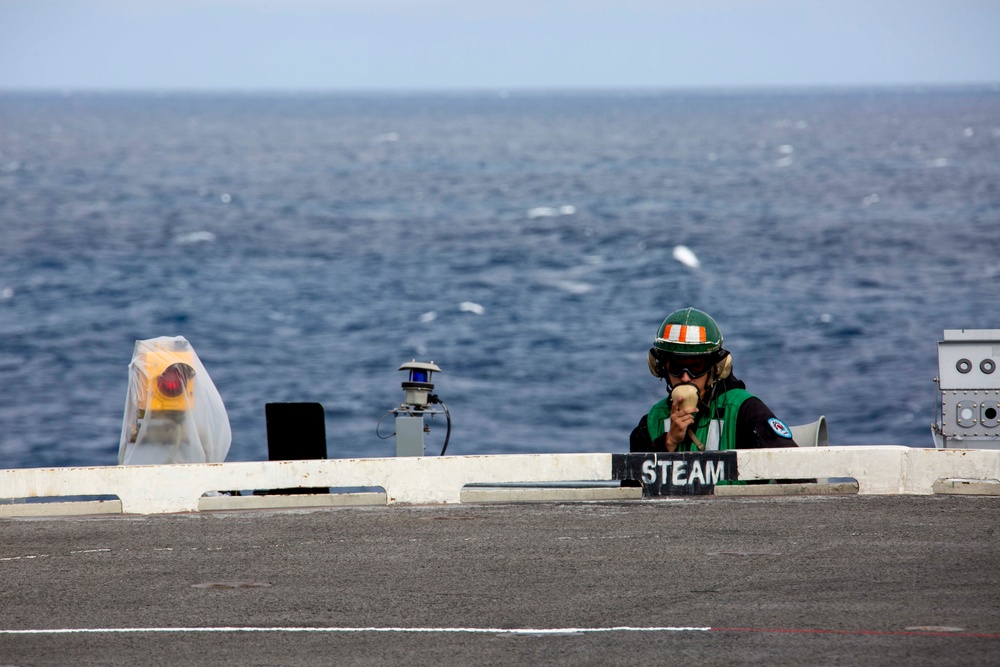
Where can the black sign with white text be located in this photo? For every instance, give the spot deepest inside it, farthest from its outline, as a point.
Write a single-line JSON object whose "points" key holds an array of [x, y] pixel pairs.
{"points": [[676, 474]]}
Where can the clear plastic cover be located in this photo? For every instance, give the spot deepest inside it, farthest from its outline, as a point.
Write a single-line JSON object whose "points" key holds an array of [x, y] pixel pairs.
{"points": [[173, 412]]}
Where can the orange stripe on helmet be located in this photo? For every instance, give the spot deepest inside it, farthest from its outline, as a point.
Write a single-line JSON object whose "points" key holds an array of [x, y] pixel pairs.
{"points": [[681, 333]]}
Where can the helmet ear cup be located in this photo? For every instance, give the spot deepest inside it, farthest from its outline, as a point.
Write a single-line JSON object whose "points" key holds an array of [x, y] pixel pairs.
{"points": [[724, 368], [655, 367]]}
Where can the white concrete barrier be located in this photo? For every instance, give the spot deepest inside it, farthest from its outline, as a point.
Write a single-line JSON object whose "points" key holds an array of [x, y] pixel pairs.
{"points": [[879, 470], [178, 488]]}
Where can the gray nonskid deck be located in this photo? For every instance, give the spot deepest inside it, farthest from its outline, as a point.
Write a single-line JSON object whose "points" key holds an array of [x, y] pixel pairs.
{"points": [[792, 580]]}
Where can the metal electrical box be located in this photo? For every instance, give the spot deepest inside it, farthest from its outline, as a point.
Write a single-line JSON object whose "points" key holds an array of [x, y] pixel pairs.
{"points": [[410, 435], [969, 390]]}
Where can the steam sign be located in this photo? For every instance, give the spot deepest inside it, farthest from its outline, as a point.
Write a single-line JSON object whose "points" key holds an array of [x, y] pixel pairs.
{"points": [[676, 474]]}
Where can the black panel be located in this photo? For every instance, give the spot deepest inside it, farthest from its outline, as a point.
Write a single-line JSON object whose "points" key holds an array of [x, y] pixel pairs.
{"points": [[295, 431]]}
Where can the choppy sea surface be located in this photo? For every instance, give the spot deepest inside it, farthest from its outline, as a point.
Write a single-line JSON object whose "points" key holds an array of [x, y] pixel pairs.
{"points": [[307, 245]]}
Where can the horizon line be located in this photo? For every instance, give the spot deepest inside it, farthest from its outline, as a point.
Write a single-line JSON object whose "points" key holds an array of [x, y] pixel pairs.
{"points": [[492, 90]]}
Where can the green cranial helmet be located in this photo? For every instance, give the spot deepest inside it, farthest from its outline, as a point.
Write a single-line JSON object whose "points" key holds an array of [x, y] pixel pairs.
{"points": [[688, 332]]}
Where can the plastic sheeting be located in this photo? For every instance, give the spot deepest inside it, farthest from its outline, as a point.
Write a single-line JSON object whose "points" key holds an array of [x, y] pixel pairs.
{"points": [[173, 412]]}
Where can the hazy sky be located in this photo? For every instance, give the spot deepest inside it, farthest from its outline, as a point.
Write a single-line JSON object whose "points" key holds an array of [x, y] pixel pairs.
{"points": [[447, 44]]}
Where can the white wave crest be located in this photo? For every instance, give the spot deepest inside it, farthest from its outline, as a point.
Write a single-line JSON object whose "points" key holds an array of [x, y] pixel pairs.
{"points": [[195, 237], [686, 256], [551, 211], [471, 307], [573, 286]]}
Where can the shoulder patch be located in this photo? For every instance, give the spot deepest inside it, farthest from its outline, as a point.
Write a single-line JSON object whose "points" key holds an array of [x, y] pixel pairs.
{"points": [[779, 427]]}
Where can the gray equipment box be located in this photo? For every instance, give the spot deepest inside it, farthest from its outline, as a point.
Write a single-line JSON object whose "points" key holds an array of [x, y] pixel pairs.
{"points": [[969, 386]]}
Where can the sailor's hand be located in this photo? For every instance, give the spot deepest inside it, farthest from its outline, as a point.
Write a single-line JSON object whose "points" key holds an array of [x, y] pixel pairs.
{"points": [[681, 419]]}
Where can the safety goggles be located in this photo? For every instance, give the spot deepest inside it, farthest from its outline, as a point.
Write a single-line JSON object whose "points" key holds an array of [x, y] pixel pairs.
{"points": [[695, 367]]}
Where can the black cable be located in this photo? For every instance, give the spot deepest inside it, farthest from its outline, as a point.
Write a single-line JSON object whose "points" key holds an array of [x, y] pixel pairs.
{"points": [[447, 435], [389, 412]]}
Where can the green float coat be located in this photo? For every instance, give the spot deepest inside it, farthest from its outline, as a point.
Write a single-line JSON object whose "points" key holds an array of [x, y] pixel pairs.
{"points": [[728, 402]]}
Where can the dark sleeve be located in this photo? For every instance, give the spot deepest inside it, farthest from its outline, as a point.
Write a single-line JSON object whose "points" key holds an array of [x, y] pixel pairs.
{"points": [[640, 441], [754, 428]]}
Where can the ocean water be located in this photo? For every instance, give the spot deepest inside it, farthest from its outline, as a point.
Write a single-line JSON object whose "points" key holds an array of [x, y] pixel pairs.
{"points": [[307, 245]]}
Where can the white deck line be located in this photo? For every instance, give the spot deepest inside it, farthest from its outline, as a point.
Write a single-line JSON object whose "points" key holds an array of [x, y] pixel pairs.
{"points": [[362, 629], [879, 470], [949, 633]]}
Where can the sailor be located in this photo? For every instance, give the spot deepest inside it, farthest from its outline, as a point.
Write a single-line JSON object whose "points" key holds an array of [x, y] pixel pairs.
{"points": [[687, 351]]}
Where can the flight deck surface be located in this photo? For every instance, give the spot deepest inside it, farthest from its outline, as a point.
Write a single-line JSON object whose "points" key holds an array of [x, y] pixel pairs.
{"points": [[861, 580]]}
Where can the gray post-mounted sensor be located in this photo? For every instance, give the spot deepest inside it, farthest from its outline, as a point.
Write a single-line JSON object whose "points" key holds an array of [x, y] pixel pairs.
{"points": [[418, 401]]}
